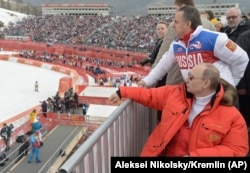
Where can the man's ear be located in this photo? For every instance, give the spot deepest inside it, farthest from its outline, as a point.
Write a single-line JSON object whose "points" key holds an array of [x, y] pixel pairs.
{"points": [[189, 23], [207, 83]]}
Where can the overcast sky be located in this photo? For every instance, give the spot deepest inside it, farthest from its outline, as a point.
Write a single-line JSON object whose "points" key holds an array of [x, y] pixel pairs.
{"points": [[138, 7]]}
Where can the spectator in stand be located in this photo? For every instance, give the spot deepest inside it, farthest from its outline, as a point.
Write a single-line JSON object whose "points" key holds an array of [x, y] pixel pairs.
{"points": [[35, 148], [161, 30], [136, 30], [75, 96], [44, 107], [205, 15], [244, 85], [236, 23], [33, 116], [174, 75], [198, 117], [84, 108], [3, 158], [5, 133], [23, 150], [212, 18], [72, 107], [219, 26], [114, 84], [101, 82], [191, 49]]}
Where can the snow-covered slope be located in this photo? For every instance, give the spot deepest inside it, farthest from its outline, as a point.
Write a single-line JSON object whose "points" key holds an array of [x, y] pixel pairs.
{"points": [[7, 16]]}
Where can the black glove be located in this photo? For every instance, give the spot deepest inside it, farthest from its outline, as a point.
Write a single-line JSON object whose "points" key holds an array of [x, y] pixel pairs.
{"points": [[145, 61]]}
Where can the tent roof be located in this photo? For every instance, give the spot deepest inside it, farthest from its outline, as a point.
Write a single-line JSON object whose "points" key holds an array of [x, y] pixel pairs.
{"points": [[93, 91], [103, 111]]}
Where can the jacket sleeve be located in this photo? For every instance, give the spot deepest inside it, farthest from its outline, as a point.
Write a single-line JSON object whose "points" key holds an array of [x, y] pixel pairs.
{"points": [[168, 39], [162, 68], [155, 51], [232, 54], [207, 24], [153, 97]]}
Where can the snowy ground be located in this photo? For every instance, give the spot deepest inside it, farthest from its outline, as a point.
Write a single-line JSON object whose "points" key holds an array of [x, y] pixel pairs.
{"points": [[10, 16], [17, 87]]}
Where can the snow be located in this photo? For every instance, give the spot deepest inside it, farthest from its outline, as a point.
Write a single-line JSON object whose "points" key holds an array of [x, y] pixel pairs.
{"points": [[100, 111], [17, 83], [17, 80], [7, 16], [97, 91], [17, 90], [17, 87]]}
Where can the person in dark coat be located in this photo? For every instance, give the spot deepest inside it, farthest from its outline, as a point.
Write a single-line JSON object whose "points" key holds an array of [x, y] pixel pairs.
{"points": [[3, 158], [236, 23], [5, 133], [236, 26], [23, 150], [44, 106], [161, 30], [75, 96], [244, 85], [84, 108]]}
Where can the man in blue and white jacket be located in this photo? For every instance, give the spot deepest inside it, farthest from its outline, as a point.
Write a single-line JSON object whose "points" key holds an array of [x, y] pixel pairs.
{"points": [[195, 45]]}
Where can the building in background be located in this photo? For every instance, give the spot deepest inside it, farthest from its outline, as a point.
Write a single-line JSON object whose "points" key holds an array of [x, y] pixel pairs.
{"points": [[219, 9], [77, 9]]}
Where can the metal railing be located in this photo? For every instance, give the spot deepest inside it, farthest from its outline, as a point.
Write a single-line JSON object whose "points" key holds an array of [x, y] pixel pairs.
{"points": [[122, 134], [54, 155]]}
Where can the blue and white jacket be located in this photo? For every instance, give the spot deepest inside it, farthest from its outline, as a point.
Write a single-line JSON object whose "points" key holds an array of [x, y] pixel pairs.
{"points": [[203, 46]]}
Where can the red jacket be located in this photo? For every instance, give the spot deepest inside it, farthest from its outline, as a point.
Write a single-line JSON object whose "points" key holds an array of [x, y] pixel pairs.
{"points": [[218, 131]]}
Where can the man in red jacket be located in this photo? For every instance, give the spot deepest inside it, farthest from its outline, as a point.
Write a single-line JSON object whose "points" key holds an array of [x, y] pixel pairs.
{"points": [[198, 117]]}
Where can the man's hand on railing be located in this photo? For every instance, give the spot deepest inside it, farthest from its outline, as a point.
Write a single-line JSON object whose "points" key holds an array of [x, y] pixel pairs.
{"points": [[145, 61], [142, 84], [114, 98]]}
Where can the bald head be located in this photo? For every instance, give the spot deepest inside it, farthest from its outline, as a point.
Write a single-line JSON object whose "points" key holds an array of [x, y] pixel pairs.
{"points": [[234, 10], [210, 72]]}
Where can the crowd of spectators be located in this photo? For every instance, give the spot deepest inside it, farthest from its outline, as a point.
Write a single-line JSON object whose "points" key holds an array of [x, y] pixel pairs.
{"points": [[93, 66], [135, 33], [67, 103]]}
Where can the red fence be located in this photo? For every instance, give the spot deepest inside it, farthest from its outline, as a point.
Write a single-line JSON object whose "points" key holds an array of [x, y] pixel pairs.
{"points": [[89, 51]]}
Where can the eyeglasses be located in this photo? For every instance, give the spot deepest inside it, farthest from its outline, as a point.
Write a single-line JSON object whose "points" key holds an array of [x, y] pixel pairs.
{"points": [[192, 77], [231, 17]]}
